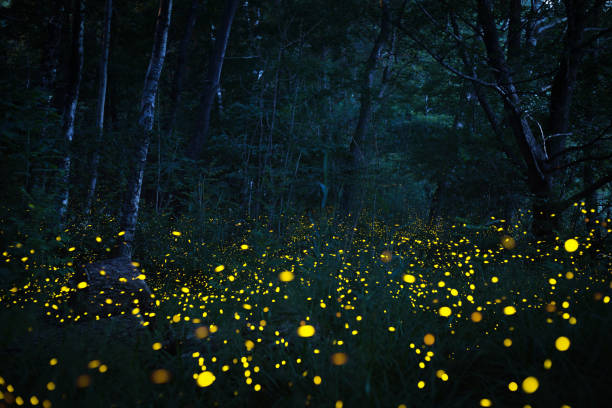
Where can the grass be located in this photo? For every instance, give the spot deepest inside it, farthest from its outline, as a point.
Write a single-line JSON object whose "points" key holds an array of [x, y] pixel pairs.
{"points": [[371, 295]]}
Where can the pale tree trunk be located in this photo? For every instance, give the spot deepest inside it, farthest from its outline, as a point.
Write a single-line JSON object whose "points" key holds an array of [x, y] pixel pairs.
{"points": [[131, 201], [211, 82], [74, 74], [103, 78], [359, 139]]}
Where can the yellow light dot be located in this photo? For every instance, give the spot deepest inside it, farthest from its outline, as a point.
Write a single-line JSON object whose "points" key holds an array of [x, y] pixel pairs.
{"points": [[562, 343], [286, 276], [160, 376], [429, 339], [249, 344], [421, 384], [157, 346], [51, 386], [547, 363], [316, 380], [338, 404], [571, 245], [476, 317], [306, 331], [509, 310], [220, 268], [176, 233], [391, 329], [513, 386], [98, 239], [205, 378], [53, 361], [508, 242], [507, 342], [445, 311], [201, 332], [82, 285], [485, 402], [93, 364], [530, 385], [495, 279], [185, 290], [244, 247], [409, 278]]}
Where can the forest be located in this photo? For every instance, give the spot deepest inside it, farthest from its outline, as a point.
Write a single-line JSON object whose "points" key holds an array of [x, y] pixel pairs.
{"points": [[322, 203]]}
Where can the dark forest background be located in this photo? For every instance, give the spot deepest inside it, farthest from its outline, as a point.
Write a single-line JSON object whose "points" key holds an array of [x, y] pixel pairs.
{"points": [[459, 110]]}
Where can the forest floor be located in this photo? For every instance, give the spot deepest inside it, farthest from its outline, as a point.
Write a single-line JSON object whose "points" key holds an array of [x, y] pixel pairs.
{"points": [[383, 316]]}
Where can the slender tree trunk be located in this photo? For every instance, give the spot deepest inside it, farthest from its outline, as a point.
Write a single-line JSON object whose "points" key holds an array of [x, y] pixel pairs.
{"points": [[102, 81], [131, 202], [181, 65], [211, 83], [71, 98], [359, 140]]}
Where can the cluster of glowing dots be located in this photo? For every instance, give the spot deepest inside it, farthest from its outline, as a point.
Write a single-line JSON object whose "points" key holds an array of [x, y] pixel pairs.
{"points": [[429, 293]]}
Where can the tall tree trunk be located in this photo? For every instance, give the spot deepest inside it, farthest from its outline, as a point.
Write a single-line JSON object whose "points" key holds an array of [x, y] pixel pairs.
{"points": [[359, 140], [533, 152], [102, 81], [565, 80], [131, 201], [211, 83], [181, 65], [71, 98], [542, 158]]}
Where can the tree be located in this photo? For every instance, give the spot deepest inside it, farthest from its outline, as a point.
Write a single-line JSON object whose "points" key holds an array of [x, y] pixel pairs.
{"points": [[211, 82], [71, 98], [520, 85], [131, 202], [181, 65], [358, 146], [102, 80]]}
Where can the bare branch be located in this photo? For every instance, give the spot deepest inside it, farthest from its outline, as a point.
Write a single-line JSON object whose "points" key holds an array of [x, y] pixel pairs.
{"points": [[599, 138], [586, 192], [581, 160]]}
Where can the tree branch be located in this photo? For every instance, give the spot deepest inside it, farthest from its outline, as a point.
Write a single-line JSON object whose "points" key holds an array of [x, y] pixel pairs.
{"points": [[599, 138], [584, 193], [581, 160]]}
